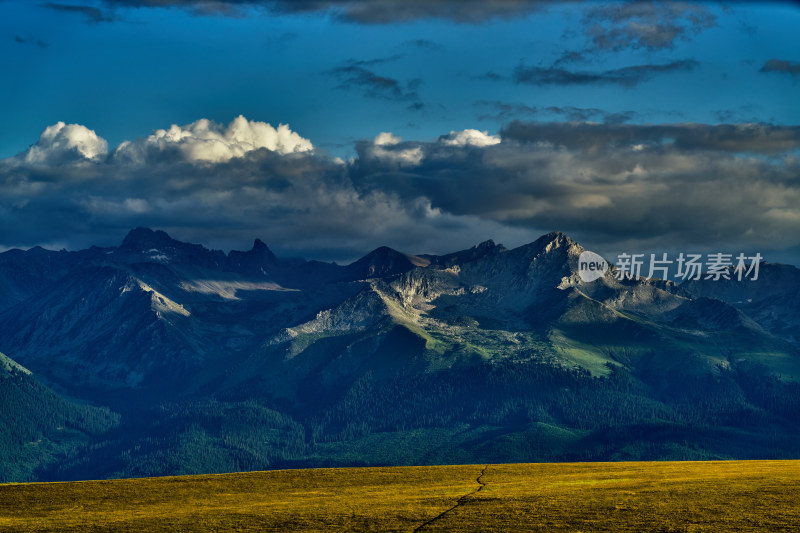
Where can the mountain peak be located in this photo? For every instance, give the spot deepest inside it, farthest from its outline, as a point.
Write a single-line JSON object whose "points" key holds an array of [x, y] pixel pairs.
{"points": [[552, 242], [385, 261], [381, 254], [145, 238], [262, 251], [557, 239], [383, 251], [145, 244], [256, 261]]}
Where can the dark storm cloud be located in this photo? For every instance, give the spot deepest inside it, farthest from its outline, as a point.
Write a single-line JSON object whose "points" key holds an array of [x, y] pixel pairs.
{"points": [[92, 15], [69, 190], [686, 138], [650, 25], [504, 112], [782, 66], [670, 185], [626, 76], [355, 75], [657, 185]]}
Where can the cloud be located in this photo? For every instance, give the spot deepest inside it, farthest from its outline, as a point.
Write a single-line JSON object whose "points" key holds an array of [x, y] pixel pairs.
{"points": [[781, 66], [300, 202], [651, 25], [568, 57], [208, 141], [660, 186], [375, 61], [37, 42], [469, 137], [490, 76], [361, 12], [356, 75], [389, 148], [62, 143], [732, 138], [424, 44], [92, 15], [504, 111], [742, 114], [626, 76]]}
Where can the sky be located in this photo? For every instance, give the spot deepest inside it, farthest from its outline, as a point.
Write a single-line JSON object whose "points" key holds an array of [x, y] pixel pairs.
{"points": [[328, 128]]}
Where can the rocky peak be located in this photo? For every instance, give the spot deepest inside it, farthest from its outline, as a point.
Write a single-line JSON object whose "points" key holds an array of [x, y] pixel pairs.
{"points": [[465, 256], [143, 239], [147, 245], [556, 240], [383, 261], [258, 261], [262, 251]]}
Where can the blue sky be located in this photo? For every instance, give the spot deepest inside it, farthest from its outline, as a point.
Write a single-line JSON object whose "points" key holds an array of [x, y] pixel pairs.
{"points": [[340, 73]]}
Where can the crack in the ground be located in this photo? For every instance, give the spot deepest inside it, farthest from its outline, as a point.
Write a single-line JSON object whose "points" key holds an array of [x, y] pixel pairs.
{"points": [[461, 501]]}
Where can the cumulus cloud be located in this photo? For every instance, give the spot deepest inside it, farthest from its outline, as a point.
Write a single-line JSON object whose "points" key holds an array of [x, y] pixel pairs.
{"points": [[689, 185], [665, 185], [208, 141], [65, 142], [300, 202], [389, 148], [388, 152], [469, 137]]}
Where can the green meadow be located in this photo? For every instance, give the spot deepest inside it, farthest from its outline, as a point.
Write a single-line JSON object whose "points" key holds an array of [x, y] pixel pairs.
{"points": [[757, 496]]}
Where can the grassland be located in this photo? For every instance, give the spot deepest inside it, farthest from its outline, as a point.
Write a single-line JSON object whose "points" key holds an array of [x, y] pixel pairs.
{"points": [[642, 497]]}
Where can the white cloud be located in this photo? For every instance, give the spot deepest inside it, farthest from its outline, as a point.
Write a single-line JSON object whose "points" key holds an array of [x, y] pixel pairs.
{"points": [[469, 137], [386, 148], [65, 142], [659, 184], [387, 138], [207, 141]]}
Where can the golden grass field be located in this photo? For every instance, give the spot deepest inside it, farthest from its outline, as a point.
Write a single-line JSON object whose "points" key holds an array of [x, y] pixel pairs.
{"points": [[762, 496]]}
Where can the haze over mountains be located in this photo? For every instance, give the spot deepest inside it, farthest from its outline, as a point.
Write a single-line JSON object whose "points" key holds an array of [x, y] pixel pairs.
{"points": [[163, 357]]}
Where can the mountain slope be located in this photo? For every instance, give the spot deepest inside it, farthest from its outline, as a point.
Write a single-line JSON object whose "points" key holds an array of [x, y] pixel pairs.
{"points": [[245, 360], [772, 300], [38, 427]]}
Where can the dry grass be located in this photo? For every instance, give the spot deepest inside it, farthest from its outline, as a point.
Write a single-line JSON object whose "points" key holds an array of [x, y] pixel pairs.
{"points": [[642, 497]]}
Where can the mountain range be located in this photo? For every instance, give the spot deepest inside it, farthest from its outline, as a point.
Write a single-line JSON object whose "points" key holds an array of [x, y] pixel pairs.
{"points": [[162, 357]]}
